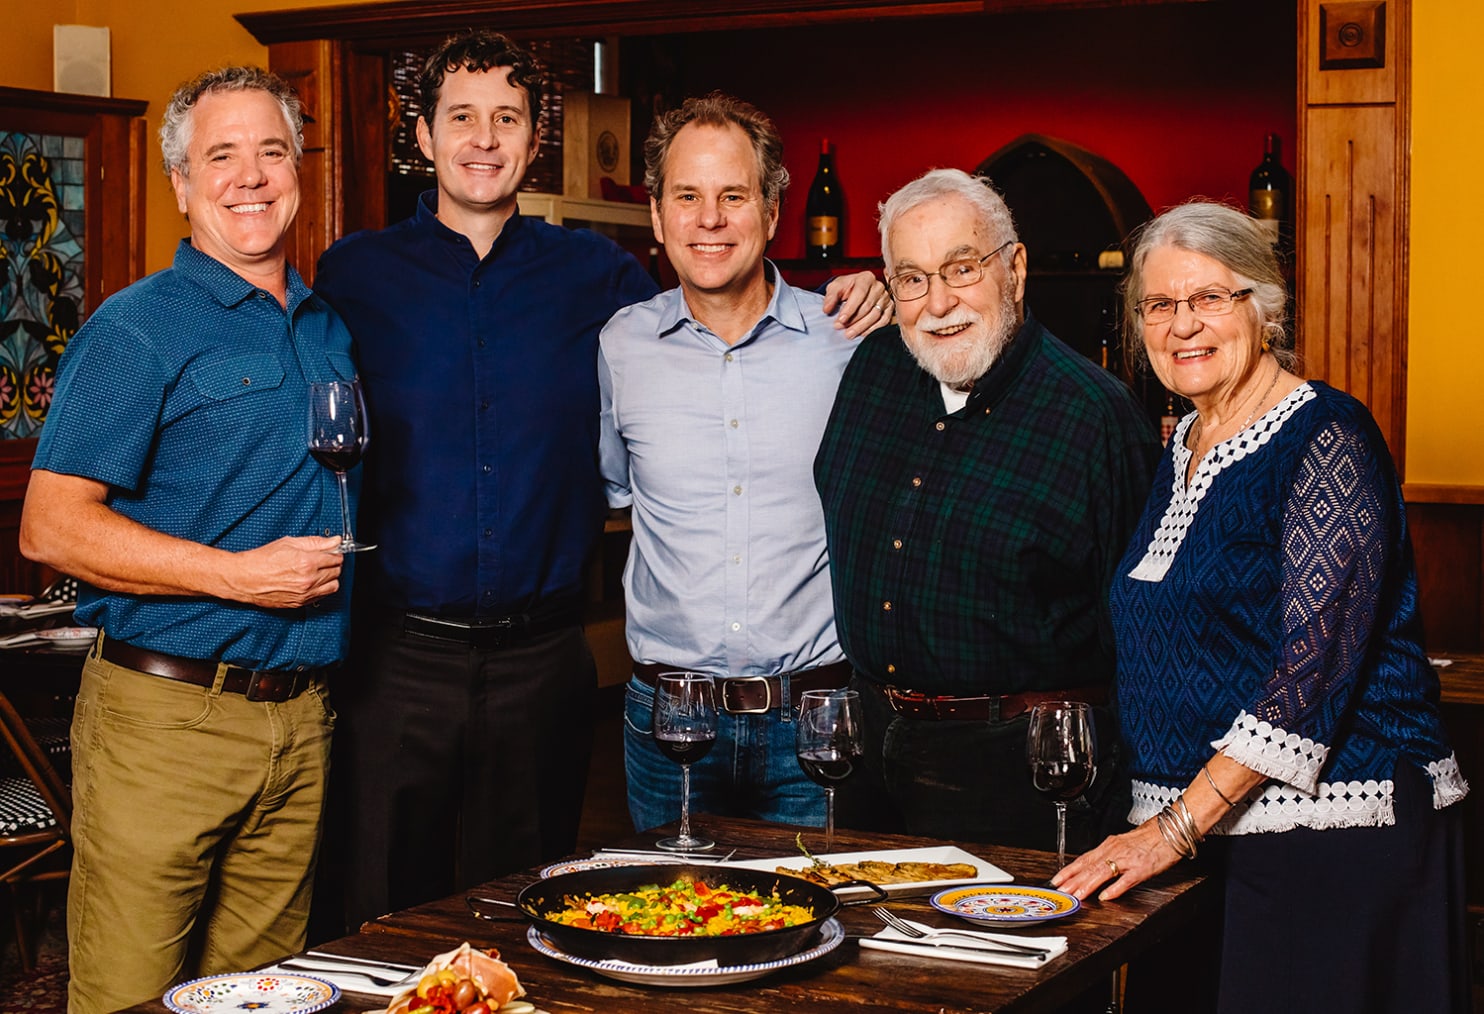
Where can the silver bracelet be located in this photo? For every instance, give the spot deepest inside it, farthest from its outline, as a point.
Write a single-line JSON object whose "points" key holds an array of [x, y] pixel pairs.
{"points": [[1214, 787]]}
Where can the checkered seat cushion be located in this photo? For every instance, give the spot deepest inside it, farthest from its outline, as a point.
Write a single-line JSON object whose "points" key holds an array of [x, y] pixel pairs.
{"points": [[22, 809]]}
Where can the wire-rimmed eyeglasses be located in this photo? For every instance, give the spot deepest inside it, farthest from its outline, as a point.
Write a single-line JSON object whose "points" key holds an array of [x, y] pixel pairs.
{"points": [[913, 284], [1206, 303]]}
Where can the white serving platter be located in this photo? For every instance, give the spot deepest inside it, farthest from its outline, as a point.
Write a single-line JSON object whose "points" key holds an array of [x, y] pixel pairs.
{"points": [[988, 872]]}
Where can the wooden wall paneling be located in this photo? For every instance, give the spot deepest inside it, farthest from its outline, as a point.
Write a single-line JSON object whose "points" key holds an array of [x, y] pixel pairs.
{"points": [[1354, 129], [366, 112], [312, 68], [1448, 539]]}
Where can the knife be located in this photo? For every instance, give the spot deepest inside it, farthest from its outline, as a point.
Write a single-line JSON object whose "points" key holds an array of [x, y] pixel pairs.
{"points": [[346, 959], [382, 979], [932, 945]]}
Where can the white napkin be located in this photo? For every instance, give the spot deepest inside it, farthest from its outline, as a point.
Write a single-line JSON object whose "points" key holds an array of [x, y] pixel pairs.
{"points": [[957, 947], [345, 978]]}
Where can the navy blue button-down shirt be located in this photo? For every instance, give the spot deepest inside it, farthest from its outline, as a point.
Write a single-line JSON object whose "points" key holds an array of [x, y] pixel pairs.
{"points": [[482, 489]]}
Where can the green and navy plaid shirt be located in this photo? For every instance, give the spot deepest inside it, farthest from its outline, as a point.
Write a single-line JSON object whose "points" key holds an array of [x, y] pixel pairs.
{"points": [[972, 552]]}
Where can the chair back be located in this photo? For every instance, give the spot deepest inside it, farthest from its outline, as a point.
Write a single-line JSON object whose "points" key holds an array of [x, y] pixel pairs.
{"points": [[35, 809]]}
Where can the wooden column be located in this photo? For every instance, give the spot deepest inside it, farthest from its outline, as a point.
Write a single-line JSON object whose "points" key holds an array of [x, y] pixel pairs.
{"points": [[1352, 224]]}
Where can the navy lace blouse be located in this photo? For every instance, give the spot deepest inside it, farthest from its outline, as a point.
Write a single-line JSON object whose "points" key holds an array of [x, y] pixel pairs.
{"points": [[1269, 610]]}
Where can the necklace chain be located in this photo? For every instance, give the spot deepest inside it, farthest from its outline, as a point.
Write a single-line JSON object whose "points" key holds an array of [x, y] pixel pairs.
{"points": [[1200, 424]]}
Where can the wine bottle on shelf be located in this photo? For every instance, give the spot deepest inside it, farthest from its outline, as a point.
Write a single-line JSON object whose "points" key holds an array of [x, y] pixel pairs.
{"points": [[825, 211], [1268, 190], [1168, 421]]}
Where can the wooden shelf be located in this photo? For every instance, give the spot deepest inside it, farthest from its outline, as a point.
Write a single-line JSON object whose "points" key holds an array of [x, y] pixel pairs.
{"points": [[559, 210]]}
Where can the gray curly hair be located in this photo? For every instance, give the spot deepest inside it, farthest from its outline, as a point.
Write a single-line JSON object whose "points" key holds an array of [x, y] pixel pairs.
{"points": [[176, 126]]}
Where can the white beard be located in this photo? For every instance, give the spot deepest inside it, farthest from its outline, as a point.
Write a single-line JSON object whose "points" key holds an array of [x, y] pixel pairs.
{"points": [[968, 355]]}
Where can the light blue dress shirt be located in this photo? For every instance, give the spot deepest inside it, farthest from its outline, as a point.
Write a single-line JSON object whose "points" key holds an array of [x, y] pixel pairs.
{"points": [[713, 446]]}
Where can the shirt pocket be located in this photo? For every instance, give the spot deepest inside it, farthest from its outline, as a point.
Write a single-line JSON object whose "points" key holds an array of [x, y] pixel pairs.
{"points": [[235, 376]]}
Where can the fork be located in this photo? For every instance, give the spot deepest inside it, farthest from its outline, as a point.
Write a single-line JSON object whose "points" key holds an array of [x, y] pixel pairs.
{"points": [[905, 928]]}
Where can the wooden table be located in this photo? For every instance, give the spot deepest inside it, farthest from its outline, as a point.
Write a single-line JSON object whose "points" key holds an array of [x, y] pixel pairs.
{"points": [[1101, 938]]}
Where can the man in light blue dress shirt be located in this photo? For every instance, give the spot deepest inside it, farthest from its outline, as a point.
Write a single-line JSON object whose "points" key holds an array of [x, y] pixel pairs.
{"points": [[714, 399]]}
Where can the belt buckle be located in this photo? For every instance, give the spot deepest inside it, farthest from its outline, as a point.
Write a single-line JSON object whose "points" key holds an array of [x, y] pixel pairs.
{"points": [[255, 685], [768, 691]]}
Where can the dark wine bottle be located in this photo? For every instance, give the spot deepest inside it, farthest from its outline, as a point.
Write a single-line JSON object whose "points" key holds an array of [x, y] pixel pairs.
{"points": [[1268, 190], [825, 211], [654, 265]]}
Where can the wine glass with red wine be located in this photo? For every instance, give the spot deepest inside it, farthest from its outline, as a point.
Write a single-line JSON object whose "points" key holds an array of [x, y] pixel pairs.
{"points": [[1062, 749], [337, 439], [684, 726], [828, 743]]}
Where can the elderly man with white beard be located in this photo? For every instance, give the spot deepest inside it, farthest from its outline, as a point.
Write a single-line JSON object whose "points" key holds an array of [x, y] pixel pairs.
{"points": [[980, 480]]}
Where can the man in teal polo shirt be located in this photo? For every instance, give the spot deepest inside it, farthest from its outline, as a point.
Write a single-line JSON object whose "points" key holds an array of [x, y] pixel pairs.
{"points": [[173, 478]]}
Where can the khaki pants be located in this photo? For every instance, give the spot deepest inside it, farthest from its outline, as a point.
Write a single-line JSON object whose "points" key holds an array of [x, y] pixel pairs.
{"points": [[196, 822]]}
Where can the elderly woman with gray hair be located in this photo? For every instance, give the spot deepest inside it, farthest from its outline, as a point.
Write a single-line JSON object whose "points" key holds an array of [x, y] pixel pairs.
{"points": [[1273, 692]]}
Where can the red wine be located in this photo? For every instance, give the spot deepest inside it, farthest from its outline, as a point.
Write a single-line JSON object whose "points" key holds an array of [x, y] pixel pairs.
{"points": [[339, 458], [824, 212], [1267, 190], [1061, 780], [826, 767], [685, 751]]}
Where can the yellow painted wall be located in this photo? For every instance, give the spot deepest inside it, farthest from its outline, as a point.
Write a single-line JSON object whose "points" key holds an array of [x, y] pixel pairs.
{"points": [[157, 44], [1445, 342]]}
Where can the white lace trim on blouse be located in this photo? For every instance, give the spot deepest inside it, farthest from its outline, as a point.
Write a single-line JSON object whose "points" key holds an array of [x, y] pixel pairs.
{"points": [[1333, 804], [1186, 500], [1269, 750]]}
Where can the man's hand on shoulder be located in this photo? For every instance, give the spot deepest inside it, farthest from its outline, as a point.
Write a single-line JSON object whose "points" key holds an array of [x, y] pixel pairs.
{"points": [[288, 572], [859, 301]]}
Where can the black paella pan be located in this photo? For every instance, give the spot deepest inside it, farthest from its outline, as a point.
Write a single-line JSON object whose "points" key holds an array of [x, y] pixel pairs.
{"points": [[547, 897]]}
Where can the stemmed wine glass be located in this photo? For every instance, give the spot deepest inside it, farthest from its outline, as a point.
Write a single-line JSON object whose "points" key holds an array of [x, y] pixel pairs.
{"points": [[685, 730], [338, 434], [828, 742], [1062, 750]]}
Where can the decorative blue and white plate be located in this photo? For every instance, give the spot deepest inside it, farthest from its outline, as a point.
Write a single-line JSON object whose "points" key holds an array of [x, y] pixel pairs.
{"points": [[691, 976], [258, 992], [577, 865], [1005, 904]]}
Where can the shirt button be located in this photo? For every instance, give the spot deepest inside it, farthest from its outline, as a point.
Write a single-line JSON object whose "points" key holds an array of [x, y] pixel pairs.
{"points": [[476, 283], [916, 481], [727, 357], [481, 343], [484, 406], [736, 490], [734, 424], [737, 559], [246, 381], [891, 668], [896, 543], [488, 532], [487, 470], [941, 427], [886, 607], [328, 532], [736, 626]]}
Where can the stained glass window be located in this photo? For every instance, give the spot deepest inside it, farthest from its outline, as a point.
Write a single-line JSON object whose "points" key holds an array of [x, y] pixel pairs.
{"points": [[42, 297]]}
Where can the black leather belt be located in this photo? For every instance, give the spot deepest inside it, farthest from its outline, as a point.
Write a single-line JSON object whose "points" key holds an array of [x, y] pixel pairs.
{"points": [[269, 685], [988, 708], [757, 695], [494, 632]]}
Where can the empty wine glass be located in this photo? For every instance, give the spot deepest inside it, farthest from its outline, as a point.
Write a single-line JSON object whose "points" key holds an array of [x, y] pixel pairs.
{"points": [[338, 434], [1062, 750], [828, 742], [684, 726]]}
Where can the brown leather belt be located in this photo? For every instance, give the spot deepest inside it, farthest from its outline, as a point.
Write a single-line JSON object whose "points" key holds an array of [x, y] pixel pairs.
{"points": [[1001, 708], [269, 685], [757, 695]]}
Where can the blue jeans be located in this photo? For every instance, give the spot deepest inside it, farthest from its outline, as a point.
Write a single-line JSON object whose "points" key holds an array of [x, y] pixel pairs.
{"points": [[752, 771]]}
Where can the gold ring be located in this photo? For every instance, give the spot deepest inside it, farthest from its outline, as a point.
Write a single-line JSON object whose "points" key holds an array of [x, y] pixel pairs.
{"points": [[1112, 866]]}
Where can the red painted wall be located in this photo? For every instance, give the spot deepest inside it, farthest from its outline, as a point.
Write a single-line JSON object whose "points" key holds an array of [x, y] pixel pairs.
{"points": [[1179, 96]]}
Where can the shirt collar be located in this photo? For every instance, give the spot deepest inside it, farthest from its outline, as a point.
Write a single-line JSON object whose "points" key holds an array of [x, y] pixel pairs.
{"points": [[991, 388], [783, 307], [226, 286], [427, 216]]}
